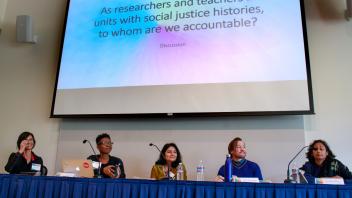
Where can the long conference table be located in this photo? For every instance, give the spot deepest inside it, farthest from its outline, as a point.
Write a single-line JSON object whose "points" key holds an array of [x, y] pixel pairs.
{"points": [[36, 186]]}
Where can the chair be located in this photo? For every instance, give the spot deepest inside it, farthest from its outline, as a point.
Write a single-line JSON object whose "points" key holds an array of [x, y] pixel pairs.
{"points": [[44, 171]]}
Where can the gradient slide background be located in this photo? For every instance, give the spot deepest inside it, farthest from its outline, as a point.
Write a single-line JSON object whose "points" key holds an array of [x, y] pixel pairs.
{"points": [[269, 51]]}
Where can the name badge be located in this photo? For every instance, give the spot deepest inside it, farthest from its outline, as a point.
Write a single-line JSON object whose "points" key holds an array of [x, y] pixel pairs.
{"points": [[172, 175], [245, 179], [36, 167], [96, 164]]}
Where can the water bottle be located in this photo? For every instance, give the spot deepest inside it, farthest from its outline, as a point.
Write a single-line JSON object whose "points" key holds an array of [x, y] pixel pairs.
{"points": [[200, 171], [294, 174], [228, 168], [179, 174]]}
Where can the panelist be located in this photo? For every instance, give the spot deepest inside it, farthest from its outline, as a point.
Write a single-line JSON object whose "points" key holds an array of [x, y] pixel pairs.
{"points": [[165, 166], [25, 161], [111, 167], [241, 167], [322, 162]]}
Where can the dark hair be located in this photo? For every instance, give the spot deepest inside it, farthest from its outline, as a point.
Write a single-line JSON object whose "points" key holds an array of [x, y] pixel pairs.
{"points": [[101, 136], [309, 154], [233, 143], [162, 161], [24, 135]]}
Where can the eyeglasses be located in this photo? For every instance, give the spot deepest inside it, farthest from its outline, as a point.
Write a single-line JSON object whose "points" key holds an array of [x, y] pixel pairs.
{"points": [[106, 143]]}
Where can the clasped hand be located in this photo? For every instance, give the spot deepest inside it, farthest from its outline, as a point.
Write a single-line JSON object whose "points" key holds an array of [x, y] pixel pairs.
{"points": [[110, 171]]}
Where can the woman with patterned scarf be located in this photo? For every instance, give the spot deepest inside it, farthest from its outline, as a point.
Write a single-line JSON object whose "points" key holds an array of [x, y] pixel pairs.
{"points": [[322, 163]]}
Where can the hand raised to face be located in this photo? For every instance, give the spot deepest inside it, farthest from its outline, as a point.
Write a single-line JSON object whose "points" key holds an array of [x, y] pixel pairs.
{"points": [[23, 146]]}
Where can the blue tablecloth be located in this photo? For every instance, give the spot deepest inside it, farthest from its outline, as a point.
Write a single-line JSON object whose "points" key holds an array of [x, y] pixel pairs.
{"points": [[30, 186]]}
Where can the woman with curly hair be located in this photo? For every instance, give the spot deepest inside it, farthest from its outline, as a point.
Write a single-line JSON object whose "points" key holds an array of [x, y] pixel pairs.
{"points": [[322, 162]]}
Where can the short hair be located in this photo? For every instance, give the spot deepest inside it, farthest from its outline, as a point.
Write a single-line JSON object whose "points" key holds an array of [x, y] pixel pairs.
{"points": [[162, 160], [233, 143], [309, 154], [24, 135], [101, 136]]}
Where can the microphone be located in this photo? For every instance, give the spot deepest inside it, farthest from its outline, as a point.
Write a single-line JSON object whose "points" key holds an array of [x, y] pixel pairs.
{"points": [[288, 180], [85, 141], [151, 144], [168, 166]]}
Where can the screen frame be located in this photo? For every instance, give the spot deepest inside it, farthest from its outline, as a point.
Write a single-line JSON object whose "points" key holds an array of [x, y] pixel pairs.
{"points": [[192, 114]]}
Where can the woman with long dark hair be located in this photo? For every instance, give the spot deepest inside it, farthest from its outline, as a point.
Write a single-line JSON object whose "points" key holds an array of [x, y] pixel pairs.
{"points": [[165, 166], [322, 162]]}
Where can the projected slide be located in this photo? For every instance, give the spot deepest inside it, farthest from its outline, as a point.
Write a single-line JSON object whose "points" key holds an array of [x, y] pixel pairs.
{"points": [[186, 56]]}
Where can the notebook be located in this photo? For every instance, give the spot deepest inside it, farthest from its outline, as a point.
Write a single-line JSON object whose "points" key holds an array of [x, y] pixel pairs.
{"points": [[80, 167]]}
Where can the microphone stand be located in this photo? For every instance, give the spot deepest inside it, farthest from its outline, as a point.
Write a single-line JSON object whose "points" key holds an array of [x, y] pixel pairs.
{"points": [[168, 165], [288, 180], [85, 141]]}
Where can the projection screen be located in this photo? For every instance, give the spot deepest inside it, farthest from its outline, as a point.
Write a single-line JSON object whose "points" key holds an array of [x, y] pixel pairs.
{"points": [[152, 57]]}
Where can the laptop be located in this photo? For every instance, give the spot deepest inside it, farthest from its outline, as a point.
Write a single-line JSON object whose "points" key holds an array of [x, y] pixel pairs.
{"points": [[80, 167]]}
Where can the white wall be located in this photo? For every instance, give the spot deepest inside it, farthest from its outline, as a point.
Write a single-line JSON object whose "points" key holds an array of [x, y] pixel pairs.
{"points": [[27, 76], [330, 43]]}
